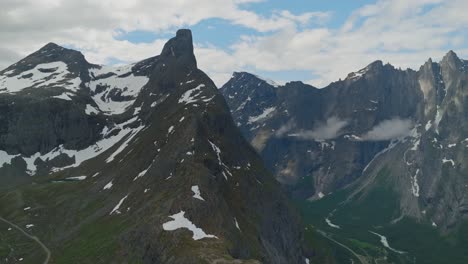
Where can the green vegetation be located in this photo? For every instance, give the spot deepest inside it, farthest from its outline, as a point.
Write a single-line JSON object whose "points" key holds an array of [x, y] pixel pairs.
{"points": [[94, 243], [374, 211], [15, 246]]}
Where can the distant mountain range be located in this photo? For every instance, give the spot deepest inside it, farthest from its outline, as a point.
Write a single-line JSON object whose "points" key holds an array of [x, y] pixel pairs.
{"points": [[387, 146]]}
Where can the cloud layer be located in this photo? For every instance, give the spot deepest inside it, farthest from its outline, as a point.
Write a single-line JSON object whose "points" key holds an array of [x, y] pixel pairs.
{"points": [[389, 129], [328, 130], [402, 32]]}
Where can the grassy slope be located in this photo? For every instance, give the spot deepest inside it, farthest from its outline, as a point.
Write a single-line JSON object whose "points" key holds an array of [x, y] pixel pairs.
{"points": [[92, 240]]}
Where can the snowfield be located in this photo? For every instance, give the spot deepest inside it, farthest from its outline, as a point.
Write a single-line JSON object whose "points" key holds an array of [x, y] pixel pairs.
{"points": [[179, 221], [120, 79], [42, 75]]}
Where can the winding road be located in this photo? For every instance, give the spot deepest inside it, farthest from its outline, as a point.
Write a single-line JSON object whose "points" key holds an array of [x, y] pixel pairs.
{"points": [[36, 239], [359, 257]]}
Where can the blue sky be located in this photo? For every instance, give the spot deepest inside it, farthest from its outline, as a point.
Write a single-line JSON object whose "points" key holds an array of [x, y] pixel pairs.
{"points": [[222, 33], [314, 41]]}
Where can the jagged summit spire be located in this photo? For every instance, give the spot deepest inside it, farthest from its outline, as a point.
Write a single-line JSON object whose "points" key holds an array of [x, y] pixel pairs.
{"points": [[452, 59], [181, 47], [451, 53]]}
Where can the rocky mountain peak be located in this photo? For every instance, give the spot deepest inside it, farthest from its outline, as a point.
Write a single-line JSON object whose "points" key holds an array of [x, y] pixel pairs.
{"points": [[427, 66], [52, 53], [240, 75], [50, 46], [181, 48], [244, 77], [295, 83], [378, 67], [375, 65], [451, 59]]}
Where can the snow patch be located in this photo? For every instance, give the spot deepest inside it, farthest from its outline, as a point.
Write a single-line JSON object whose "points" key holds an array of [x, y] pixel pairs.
{"points": [[414, 184], [237, 224], [77, 178], [142, 173], [117, 207], [108, 186], [384, 242], [56, 74], [241, 106], [119, 78], [357, 75], [179, 221], [6, 158], [191, 95], [445, 160], [428, 125], [196, 193], [437, 120], [170, 130], [217, 150], [64, 96], [85, 154], [331, 224], [91, 110], [416, 144], [132, 134], [265, 114]]}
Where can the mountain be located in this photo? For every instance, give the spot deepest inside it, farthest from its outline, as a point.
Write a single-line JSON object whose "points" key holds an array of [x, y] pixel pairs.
{"points": [[139, 163], [302, 131], [383, 150]]}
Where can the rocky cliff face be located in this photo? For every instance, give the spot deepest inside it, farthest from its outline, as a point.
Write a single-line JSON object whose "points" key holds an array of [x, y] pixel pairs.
{"points": [[319, 141], [135, 164]]}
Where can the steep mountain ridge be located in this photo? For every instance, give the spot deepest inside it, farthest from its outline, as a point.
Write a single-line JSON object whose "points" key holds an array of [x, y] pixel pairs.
{"points": [[156, 171], [320, 141], [347, 108]]}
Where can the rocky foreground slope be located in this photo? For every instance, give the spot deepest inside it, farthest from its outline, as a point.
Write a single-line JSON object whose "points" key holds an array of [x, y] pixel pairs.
{"points": [[134, 164]]}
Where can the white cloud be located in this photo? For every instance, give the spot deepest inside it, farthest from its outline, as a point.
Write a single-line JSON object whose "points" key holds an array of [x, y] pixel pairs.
{"points": [[328, 130], [92, 26], [389, 129], [402, 32]]}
